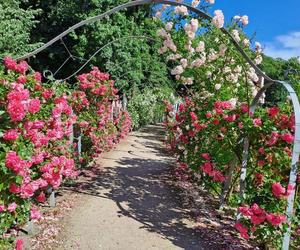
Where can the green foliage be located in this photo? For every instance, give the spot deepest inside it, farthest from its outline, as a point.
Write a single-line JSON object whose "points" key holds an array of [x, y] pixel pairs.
{"points": [[16, 24], [280, 69], [132, 59], [148, 106]]}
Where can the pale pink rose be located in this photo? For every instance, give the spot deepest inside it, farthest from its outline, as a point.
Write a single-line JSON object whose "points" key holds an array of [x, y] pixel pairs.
{"points": [[12, 207], [201, 47], [169, 26], [195, 3], [181, 10], [218, 19]]}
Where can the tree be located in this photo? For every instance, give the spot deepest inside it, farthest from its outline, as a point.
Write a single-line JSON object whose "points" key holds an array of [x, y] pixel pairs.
{"points": [[130, 61], [16, 24]]}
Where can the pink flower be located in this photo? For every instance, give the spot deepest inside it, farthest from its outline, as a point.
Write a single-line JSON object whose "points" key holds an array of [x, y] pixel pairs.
{"points": [[47, 94], [35, 214], [278, 190], [19, 244], [218, 19], [257, 122], [41, 197], [244, 108], [287, 137], [34, 106], [275, 220], [208, 115], [255, 209], [37, 76], [273, 139], [16, 111], [11, 135], [289, 190], [2, 208], [193, 116], [256, 220], [245, 210], [261, 163], [218, 176], [22, 79], [205, 156], [242, 229], [207, 168], [14, 189], [261, 151], [273, 111], [12, 207], [22, 67], [10, 64]]}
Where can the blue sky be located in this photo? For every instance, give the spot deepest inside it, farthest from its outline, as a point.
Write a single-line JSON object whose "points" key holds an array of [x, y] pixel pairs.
{"points": [[276, 23]]}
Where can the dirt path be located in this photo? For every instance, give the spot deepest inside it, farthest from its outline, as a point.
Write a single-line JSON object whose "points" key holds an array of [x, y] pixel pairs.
{"points": [[129, 200], [130, 203]]}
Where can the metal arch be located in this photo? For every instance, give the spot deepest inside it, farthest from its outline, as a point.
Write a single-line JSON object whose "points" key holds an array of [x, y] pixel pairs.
{"points": [[295, 155], [270, 82], [144, 2], [100, 49]]}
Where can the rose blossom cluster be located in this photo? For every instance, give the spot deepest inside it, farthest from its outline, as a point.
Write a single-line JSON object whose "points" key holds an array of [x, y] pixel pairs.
{"points": [[257, 217], [37, 124], [198, 124], [95, 96]]}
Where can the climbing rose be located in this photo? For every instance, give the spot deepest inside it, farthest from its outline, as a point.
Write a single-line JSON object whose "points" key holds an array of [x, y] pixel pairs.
{"points": [[218, 19], [182, 10], [243, 230], [193, 116], [11, 135], [34, 106], [38, 76], [41, 197], [14, 189], [206, 156], [12, 207], [245, 210], [287, 137], [273, 111], [9, 63], [22, 67], [19, 244], [278, 190], [275, 220], [35, 214], [257, 122], [2, 208]]}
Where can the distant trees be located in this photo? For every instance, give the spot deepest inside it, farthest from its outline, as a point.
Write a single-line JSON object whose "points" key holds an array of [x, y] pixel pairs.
{"points": [[16, 24]]}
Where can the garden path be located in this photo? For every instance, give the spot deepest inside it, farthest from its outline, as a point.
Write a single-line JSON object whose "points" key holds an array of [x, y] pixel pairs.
{"points": [[129, 202]]}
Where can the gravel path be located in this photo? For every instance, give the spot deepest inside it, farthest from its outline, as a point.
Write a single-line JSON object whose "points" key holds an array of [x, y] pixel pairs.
{"points": [[128, 202]]}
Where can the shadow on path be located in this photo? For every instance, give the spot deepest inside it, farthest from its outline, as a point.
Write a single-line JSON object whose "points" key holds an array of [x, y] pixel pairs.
{"points": [[142, 189]]}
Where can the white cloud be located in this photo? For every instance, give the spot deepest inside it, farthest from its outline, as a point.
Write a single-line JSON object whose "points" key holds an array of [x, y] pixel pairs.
{"points": [[284, 46]]}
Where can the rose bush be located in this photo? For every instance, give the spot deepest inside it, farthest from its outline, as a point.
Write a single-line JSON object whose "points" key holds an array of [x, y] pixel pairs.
{"points": [[37, 123], [209, 128]]}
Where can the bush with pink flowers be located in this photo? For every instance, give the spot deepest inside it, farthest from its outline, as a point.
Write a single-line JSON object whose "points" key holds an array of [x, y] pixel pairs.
{"points": [[37, 122], [208, 130]]}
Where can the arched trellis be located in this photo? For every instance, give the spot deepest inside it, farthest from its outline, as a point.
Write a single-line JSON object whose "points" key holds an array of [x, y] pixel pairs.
{"points": [[269, 82]]}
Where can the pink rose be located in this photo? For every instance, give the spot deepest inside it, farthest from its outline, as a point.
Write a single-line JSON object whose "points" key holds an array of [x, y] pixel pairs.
{"points": [[35, 214], [19, 244], [11, 135], [287, 137], [12, 207], [34, 106], [257, 122], [275, 220], [278, 190]]}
